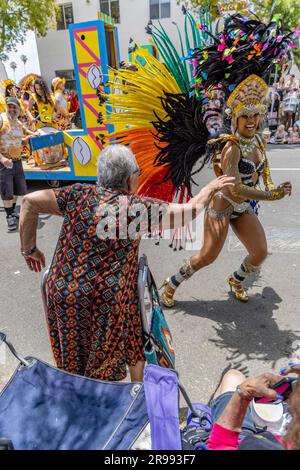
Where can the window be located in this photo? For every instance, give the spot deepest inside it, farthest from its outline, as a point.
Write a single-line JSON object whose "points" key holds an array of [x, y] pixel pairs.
{"points": [[69, 75], [160, 9], [111, 8], [65, 16], [111, 47]]}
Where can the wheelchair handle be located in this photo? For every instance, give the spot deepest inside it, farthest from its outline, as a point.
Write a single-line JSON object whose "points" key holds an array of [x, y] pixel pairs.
{"points": [[4, 340]]}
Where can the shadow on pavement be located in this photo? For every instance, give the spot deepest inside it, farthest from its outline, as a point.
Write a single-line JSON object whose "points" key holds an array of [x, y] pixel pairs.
{"points": [[245, 331]]}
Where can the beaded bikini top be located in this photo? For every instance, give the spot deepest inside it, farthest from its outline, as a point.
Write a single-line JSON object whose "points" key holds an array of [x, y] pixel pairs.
{"points": [[246, 167]]}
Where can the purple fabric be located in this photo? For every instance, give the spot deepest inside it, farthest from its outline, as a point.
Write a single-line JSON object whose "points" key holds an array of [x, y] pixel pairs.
{"points": [[204, 421], [162, 398]]}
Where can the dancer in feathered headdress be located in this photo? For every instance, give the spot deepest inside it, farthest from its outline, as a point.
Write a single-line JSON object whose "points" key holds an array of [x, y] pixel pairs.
{"points": [[237, 61], [169, 129]]}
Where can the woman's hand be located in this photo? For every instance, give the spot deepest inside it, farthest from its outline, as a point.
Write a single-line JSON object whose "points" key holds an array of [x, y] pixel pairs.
{"points": [[260, 386], [220, 183], [7, 162], [36, 262], [292, 369], [286, 188]]}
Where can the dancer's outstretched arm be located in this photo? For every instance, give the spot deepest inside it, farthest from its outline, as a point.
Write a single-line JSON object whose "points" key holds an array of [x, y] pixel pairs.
{"points": [[230, 163], [266, 176], [179, 215]]}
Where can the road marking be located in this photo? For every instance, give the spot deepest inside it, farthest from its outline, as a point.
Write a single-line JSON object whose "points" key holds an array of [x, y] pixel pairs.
{"points": [[285, 169]]}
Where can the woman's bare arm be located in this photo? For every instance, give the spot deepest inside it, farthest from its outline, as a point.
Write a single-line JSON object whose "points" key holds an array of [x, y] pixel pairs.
{"points": [[39, 202], [29, 109], [230, 163], [179, 215]]}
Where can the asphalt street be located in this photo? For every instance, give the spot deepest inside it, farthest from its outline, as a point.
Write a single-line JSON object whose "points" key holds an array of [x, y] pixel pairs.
{"points": [[211, 330]]}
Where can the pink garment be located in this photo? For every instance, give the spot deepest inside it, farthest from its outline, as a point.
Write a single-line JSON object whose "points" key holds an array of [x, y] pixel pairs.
{"points": [[222, 439], [225, 439]]}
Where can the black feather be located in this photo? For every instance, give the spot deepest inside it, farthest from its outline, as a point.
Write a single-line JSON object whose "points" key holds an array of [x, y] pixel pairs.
{"points": [[181, 139]]}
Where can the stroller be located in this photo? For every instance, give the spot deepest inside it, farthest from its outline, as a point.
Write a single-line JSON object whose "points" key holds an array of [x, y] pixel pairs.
{"points": [[44, 408]]}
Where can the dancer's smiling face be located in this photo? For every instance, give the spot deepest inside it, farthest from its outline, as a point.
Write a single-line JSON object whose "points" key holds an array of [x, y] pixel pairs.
{"points": [[248, 125]]}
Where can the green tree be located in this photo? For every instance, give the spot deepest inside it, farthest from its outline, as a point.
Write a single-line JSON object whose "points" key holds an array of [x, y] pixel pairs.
{"points": [[14, 67], [24, 59], [3, 57], [287, 10], [19, 16], [217, 7]]}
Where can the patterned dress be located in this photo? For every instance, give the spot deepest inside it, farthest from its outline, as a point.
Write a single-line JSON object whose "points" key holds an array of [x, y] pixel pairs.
{"points": [[93, 314]]}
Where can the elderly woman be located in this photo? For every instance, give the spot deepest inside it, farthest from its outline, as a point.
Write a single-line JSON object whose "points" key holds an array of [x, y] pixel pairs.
{"points": [[93, 313]]}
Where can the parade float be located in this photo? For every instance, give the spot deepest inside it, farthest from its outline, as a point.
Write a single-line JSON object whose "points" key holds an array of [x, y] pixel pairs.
{"points": [[72, 155]]}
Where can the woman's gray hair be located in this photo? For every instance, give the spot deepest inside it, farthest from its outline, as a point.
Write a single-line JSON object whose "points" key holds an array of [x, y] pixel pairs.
{"points": [[116, 163]]}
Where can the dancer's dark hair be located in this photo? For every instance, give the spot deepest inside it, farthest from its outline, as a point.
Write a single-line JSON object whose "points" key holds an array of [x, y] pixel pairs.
{"points": [[47, 96]]}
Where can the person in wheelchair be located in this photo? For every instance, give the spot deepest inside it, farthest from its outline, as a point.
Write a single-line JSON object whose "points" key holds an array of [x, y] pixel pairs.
{"points": [[93, 306]]}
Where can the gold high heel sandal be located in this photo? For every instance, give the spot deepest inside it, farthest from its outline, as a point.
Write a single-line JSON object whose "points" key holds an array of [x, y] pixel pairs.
{"points": [[237, 288], [167, 296]]}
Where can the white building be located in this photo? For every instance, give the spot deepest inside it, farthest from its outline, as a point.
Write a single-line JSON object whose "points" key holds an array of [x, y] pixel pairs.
{"points": [[131, 18]]}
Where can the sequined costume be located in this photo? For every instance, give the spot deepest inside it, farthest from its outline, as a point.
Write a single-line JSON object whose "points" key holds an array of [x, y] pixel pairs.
{"points": [[234, 154], [172, 116]]}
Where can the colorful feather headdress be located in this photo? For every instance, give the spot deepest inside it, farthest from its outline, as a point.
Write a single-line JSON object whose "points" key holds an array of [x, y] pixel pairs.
{"points": [[25, 81], [245, 47], [248, 99]]}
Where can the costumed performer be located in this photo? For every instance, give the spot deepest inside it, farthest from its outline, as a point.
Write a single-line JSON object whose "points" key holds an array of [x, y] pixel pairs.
{"points": [[245, 46], [169, 128], [63, 119], [41, 109]]}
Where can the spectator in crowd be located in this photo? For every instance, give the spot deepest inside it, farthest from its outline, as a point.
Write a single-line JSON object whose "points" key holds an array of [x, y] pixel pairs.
{"points": [[297, 123], [233, 421], [12, 180], [280, 136], [293, 135], [74, 109], [290, 101], [73, 101], [266, 133], [290, 137], [60, 99], [93, 307], [12, 90], [296, 136], [273, 106], [280, 86]]}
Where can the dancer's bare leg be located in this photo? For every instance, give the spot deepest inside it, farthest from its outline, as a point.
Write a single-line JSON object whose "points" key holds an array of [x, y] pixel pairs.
{"points": [[250, 232], [215, 233]]}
